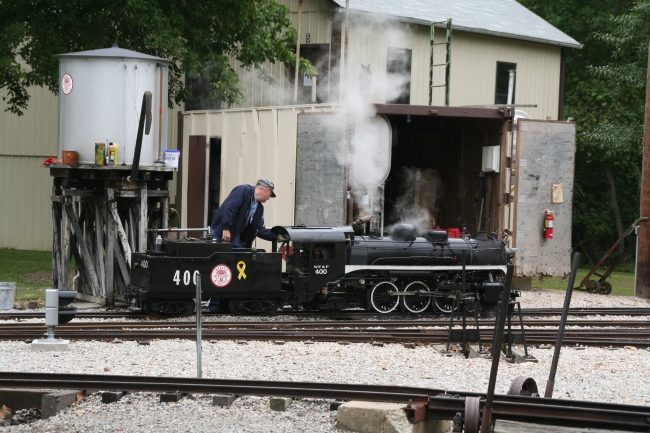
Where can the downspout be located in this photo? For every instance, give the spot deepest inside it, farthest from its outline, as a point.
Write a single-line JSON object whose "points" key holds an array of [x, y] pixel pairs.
{"points": [[295, 89], [511, 85], [560, 100]]}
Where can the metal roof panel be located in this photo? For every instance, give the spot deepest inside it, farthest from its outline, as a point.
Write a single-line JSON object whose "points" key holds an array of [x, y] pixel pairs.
{"points": [[504, 18]]}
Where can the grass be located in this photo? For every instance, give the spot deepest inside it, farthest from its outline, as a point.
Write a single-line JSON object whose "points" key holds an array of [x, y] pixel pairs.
{"points": [[622, 282], [30, 270]]}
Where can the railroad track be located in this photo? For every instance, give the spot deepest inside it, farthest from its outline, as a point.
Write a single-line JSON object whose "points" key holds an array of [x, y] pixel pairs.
{"points": [[295, 331], [350, 315], [424, 402]]}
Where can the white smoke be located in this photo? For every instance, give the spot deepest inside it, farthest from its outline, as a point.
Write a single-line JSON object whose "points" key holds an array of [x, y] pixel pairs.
{"points": [[365, 149]]}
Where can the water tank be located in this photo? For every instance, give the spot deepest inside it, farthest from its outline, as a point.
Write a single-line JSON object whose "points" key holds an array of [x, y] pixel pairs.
{"points": [[100, 97]]}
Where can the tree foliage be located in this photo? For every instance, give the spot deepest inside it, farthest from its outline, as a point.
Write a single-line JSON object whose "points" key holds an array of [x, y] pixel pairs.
{"points": [[604, 93], [198, 36]]}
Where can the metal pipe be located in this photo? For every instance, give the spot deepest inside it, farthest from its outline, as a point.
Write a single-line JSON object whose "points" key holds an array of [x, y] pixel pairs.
{"points": [[160, 115], [511, 85], [565, 312], [199, 330], [201, 229], [145, 113], [295, 88], [345, 49], [431, 43], [314, 78], [489, 398]]}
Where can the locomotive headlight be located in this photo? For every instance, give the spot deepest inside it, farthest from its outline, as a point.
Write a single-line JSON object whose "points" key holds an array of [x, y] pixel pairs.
{"points": [[362, 281]]}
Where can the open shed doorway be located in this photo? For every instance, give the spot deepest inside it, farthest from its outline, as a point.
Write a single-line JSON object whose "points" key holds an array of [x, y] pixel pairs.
{"points": [[437, 179]]}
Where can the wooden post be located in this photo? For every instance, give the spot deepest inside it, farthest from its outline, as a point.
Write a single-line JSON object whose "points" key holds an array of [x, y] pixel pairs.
{"points": [[65, 247], [110, 242], [99, 249], [56, 243], [118, 223], [142, 229], [642, 289], [85, 254]]}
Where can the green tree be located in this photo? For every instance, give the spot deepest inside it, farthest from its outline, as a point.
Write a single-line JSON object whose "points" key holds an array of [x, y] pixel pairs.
{"points": [[604, 94], [199, 36]]}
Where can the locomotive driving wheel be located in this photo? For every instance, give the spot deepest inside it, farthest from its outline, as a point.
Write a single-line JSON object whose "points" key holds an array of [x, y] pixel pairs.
{"points": [[381, 299], [416, 303], [444, 304]]}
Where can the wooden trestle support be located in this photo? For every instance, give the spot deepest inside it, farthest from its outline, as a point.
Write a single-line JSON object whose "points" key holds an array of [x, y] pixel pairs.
{"points": [[100, 217]]}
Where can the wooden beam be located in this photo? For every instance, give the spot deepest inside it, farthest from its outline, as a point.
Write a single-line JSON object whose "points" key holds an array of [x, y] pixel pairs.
{"points": [[110, 242], [120, 229], [99, 249], [122, 265], [65, 248], [85, 254], [56, 244], [142, 230]]}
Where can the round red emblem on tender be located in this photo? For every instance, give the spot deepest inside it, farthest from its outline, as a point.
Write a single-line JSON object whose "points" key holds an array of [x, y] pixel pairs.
{"points": [[221, 275], [66, 84]]}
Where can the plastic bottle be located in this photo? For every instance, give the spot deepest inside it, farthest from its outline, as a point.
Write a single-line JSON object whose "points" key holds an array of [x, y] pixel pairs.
{"points": [[159, 243]]}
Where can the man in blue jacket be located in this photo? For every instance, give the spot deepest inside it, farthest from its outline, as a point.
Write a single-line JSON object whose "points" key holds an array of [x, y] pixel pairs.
{"points": [[241, 215]]}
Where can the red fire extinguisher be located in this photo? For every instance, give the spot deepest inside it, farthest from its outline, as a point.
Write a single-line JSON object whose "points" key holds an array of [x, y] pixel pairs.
{"points": [[549, 217]]}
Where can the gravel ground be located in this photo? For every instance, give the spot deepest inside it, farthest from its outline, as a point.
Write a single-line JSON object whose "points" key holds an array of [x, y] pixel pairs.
{"points": [[589, 374]]}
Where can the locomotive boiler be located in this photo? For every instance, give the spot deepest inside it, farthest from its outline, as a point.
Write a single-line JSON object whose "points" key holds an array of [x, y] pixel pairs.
{"points": [[323, 268]]}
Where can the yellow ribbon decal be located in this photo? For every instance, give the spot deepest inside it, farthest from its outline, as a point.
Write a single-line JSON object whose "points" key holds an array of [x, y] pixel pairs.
{"points": [[241, 267]]}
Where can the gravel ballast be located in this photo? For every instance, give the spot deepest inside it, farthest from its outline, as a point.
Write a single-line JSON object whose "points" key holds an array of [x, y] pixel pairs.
{"points": [[597, 374]]}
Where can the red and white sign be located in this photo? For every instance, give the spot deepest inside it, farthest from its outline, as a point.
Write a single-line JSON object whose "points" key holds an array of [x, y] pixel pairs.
{"points": [[221, 275], [66, 84]]}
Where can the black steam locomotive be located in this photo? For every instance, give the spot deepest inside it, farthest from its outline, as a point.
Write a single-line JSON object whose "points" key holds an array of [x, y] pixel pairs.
{"points": [[322, 268]]}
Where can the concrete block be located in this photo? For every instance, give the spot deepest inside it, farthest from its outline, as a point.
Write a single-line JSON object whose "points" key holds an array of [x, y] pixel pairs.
{"points": [[373, 417], [409, 345], [442, 349], [111, 396], [520, 356], [170, 397], [56, 401], [280, 403], [223, 400], [50, 344], [21, 398], [473, 351]]}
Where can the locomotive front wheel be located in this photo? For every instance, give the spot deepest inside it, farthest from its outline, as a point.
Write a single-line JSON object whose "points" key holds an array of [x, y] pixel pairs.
{"points": [[416, 303], [381, 299]]}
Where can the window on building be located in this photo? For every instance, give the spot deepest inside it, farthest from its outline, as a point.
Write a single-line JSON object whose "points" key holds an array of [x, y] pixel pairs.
{"points": [[398, 71], [503, 78]]}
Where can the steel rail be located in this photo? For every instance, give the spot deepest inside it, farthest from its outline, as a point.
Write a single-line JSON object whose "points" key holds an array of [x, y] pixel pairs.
{"points": [[441, 404], [587, 311], [589, 337], [338, 324], [548, 411]]}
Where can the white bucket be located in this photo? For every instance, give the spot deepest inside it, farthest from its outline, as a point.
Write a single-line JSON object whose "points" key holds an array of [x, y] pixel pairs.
{"points": [[172, 157], [7, 295]]}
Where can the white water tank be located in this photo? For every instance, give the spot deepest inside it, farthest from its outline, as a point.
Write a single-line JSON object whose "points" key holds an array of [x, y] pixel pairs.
{"points": [[100, 98]]}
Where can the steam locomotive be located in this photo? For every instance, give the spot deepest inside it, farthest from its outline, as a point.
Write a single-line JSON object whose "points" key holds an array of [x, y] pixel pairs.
{"points": [[323, 269]]}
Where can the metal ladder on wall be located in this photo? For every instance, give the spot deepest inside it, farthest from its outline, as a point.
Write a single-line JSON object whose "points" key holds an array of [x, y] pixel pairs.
{"points": [[447, 63]]}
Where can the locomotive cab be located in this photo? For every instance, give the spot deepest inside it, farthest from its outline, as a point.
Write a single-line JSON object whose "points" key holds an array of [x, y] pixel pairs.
{"points": [[314, 257]]}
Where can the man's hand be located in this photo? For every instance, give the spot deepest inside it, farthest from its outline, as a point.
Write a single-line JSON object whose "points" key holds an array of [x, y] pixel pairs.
{"points": [[225, 236]]}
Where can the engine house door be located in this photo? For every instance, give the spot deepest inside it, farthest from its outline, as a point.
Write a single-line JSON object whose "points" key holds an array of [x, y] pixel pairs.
{"points": [[544, 163]]}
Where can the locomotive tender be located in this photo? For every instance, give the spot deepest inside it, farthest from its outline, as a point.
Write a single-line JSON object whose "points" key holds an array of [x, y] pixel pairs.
{"points": [[325, 268]]}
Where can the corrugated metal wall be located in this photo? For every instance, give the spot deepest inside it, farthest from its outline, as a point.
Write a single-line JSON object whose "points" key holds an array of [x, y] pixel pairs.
{"points": [[25, 189], [254, 143], [473, 64], [317, 21]]}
